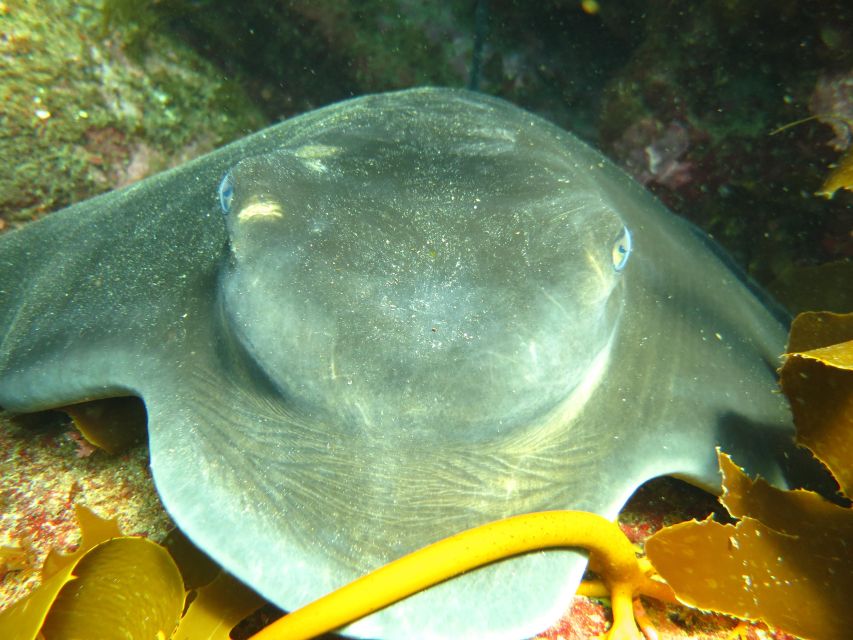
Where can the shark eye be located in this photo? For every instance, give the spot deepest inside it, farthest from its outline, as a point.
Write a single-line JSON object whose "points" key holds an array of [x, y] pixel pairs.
{"points": [[226, 192], [621, 249]]}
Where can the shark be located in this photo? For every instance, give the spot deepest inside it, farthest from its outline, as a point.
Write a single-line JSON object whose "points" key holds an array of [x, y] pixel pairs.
{"points": [[385, 321]]}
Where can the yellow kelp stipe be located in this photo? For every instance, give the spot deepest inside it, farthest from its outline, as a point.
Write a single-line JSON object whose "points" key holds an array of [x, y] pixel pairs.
{"points": [[611, 556]]}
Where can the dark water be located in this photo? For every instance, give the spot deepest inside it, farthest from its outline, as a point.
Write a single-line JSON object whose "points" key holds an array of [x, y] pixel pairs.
{"points": [[684, 95]]}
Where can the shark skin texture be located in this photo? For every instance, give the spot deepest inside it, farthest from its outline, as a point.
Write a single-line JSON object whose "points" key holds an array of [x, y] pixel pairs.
{"points": [[388, 320]]}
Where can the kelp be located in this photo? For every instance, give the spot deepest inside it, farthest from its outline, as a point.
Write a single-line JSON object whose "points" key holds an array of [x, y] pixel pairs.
{"points": [[111, 424], [119, 587], [113, 584], [818, 380], [115, 587], [788, 560], [100, 590], [12, 559], [611, 554], [217, 609], [841, 177]]}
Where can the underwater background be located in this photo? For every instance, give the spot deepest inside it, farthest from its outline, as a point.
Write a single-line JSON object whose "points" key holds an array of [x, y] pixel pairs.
{"points": [[695, 99], [732, 113]]}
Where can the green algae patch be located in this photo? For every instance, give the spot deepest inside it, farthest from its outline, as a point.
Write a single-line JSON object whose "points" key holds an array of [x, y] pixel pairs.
{"points": [[81, 115]]}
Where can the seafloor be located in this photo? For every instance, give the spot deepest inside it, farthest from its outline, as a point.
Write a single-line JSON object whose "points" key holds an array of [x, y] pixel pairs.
{"points": [[49, 468]]}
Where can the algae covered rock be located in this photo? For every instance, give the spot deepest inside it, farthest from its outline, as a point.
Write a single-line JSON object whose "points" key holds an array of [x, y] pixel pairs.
{"points": [[83, 115]]}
